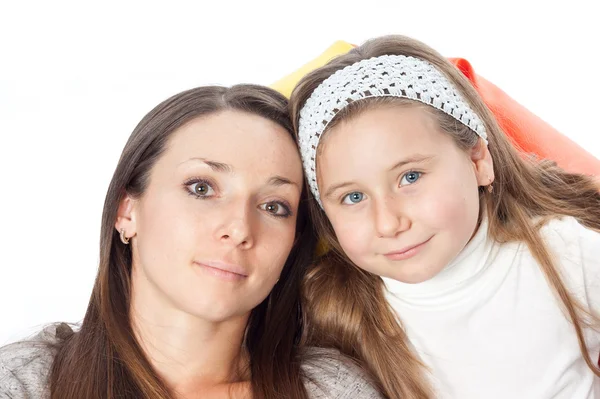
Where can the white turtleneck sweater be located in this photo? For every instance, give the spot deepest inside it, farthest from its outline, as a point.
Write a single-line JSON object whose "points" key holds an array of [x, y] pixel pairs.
{"points": [[489, 326]]}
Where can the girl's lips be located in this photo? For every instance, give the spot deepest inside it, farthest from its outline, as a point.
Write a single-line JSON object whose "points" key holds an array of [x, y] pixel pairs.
{"points": [[407, 252]]}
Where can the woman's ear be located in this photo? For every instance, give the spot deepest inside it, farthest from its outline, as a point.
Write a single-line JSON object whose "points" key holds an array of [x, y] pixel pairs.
{"points": [[126, 217]]}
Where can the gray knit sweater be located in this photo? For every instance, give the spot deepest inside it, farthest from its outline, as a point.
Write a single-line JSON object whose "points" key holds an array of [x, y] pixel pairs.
{"points": [[25, 366]]}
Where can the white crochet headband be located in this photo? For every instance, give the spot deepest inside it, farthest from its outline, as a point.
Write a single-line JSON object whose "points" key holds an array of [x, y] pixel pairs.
{"points": [[387, 75]]}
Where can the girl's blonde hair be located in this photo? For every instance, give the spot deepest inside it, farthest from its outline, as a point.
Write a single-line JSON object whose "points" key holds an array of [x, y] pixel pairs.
{"points": [[346, 306]]}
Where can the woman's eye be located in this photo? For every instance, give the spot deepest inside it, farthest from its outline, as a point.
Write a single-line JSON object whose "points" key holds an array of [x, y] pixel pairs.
{"points": [[276, 209], [353, 198], [410, 178], [201, 189]]}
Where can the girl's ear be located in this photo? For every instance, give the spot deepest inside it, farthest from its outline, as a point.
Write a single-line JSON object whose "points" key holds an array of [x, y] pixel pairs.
{"points": [[482, 163]]}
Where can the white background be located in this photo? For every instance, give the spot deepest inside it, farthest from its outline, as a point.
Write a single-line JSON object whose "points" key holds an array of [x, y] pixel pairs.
{"points": [[76, 78]]}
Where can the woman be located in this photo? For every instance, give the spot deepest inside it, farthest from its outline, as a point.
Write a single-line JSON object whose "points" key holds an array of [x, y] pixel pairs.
{"points": [[204, 239]]}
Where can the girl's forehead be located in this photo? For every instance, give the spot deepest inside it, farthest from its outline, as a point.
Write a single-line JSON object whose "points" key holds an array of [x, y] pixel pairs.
{"points": [[383, 129]]}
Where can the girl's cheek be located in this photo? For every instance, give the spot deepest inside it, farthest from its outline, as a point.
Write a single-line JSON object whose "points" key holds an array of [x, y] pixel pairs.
{"points": [[353, 235]]}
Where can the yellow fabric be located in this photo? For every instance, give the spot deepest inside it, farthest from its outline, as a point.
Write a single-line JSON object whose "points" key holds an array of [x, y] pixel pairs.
{"points": [[286, 84]]}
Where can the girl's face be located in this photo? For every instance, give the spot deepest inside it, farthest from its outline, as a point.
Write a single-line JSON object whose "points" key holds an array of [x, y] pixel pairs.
{"points": [[214, 227], [401, 195]]}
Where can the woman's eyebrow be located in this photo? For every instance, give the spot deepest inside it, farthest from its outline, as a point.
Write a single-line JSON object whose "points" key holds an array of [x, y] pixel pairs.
{"points": [[214, 165]]}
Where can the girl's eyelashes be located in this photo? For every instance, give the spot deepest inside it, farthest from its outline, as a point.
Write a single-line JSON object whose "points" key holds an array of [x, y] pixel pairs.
{"points": [[352, 198], [355, 197], [200, 188], [410, 177]]}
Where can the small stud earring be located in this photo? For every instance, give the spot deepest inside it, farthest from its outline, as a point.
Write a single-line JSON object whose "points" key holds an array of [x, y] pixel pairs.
{"points": [[490, 187], [124, 239]]}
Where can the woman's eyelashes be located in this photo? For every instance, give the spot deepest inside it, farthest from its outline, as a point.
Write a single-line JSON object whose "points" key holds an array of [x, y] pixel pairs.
{"points": [[278, 209], [203, 189], [200, 188]]}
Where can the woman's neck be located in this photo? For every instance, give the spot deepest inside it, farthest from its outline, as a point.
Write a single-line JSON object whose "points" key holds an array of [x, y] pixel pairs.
{"points": [[192, 355]]}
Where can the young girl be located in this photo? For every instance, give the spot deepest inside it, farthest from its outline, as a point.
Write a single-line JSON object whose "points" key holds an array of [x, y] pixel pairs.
{"points": [[458, 268], [204, 239]]}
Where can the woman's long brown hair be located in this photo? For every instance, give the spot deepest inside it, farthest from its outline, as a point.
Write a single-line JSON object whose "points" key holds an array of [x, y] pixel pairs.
{"points": [[103, 359], [346, 306]]}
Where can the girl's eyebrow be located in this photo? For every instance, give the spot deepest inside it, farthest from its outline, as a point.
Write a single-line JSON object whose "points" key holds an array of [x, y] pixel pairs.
{"points": [[416, 158], [331, 190]]}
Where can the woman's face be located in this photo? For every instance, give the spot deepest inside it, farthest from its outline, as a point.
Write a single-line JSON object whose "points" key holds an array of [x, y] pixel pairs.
{"points": [[217, 221]]}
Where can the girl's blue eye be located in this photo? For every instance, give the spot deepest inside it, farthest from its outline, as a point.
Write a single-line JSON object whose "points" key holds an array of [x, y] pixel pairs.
{"points": [[353, 198], [410, 178], [200, 189]]}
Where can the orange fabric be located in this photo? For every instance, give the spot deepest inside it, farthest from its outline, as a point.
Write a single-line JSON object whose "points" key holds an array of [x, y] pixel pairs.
{"points": [[527, 131]]}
